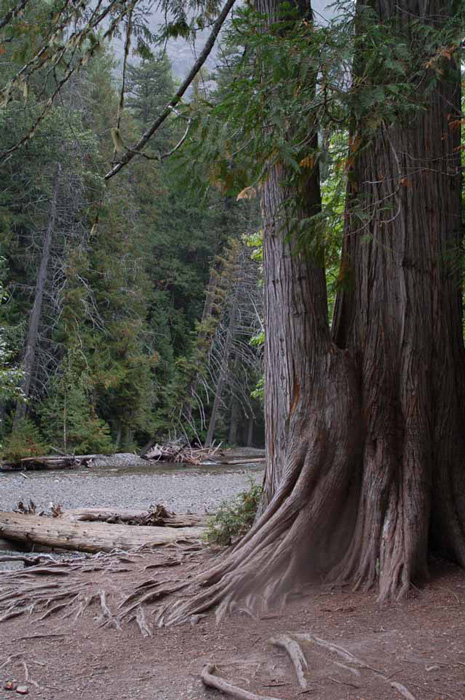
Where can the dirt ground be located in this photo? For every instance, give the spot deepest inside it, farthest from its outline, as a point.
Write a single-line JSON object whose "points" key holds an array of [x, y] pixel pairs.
{"points": [[419, 644]]}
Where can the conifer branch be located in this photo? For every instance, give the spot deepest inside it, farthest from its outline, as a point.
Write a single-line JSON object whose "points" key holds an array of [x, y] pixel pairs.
{"points": [[13, 13], [136, 149]]}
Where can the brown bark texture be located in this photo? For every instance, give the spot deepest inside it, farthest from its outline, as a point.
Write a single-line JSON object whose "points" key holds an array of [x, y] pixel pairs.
{"points": [[364, 426], [400, 316]]}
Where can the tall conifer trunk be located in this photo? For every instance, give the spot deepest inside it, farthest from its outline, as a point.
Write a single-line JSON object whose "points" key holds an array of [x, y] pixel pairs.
{"points": [[400, 316], [364, 428], [30, 350]]}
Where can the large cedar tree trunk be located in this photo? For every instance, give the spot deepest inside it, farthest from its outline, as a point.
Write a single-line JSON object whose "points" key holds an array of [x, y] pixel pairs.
{"points": [[400, 316], [366, 460]]}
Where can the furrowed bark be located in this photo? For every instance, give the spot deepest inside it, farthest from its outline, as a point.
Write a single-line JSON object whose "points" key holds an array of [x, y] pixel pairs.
{"points": [[400, 315], [365, 452], [312, 423]]}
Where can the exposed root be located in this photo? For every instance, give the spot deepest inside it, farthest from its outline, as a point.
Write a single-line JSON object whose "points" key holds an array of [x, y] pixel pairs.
{"points": [[57, 608], [27, 677], [107, 617], [80, 585], [296, 655], [403, 690], [10, 659], [354, 661], [210, 679], [15, 611], [142, 622], [155, 593], [335, 648]]}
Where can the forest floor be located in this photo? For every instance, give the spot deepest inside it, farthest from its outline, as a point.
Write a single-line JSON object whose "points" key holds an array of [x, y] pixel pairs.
{"points": [[419, 643]]}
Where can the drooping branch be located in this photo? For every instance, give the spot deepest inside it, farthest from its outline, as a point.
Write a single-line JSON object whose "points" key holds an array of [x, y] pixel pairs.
{"points": [[137, 148], [13, 13], [71, 70], [127, 46]]}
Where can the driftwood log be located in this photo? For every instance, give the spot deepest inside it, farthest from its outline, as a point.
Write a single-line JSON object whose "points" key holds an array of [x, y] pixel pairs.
{"points": [[87, 536], [48, 462], [132, 516]]}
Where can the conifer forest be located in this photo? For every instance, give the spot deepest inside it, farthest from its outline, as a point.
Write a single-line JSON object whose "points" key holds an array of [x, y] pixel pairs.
{"points": [[240, 224]]}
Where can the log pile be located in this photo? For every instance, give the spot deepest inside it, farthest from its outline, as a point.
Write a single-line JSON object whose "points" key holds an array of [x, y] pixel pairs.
{"points": [[181, 454]]}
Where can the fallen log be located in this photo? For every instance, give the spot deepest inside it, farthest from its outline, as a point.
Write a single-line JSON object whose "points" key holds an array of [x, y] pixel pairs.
{"points": [[231, 462], [88, 537], [131, 516], [48, 462]]}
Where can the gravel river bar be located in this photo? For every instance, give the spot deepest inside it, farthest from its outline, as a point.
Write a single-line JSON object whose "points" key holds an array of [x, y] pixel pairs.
{"points": [[178, 488]]}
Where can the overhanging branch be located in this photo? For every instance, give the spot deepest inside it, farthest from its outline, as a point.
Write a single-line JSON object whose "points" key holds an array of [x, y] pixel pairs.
{"points": [[13, 13], [136, 149]]}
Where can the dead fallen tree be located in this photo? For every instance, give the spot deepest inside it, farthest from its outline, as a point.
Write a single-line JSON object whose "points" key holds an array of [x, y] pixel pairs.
{"points": [[48, 462], [155, 516], [63, 533]]}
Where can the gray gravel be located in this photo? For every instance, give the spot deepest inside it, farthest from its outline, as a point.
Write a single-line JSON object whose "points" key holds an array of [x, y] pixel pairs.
{"points": [[181, 490]]}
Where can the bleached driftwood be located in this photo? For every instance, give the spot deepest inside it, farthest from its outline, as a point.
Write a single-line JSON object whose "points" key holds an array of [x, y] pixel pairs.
{"points": [[87, 537], [132, 516]]}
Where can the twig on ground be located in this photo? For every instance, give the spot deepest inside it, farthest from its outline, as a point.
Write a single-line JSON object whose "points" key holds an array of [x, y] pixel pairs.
{"points": [[352, 685]]}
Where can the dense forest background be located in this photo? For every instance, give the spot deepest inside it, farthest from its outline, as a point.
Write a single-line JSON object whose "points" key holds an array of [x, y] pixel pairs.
{"points": [[129, 309]]}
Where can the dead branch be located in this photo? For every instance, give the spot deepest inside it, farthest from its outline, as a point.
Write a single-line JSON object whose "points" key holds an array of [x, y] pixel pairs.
{"points": [[135, 150], [209, 678], [181, 454], [156, 515]]}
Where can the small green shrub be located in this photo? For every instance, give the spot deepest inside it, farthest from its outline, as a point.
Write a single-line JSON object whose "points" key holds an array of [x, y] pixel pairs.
{"points": [[24, 441], [234, 518]]}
